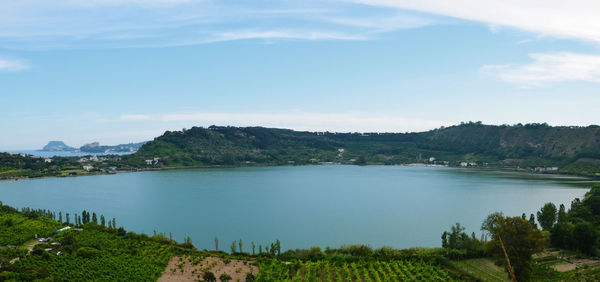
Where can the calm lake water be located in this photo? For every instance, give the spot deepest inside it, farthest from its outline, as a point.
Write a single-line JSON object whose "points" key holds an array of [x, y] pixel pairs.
{"points": [[303, 206]]}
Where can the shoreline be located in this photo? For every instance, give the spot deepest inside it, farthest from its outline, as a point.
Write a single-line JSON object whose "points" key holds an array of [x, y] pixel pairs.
{"points": [[488, 169]]}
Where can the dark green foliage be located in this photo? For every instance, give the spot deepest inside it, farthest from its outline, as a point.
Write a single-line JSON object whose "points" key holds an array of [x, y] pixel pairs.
{"points": [[209, 277], [16, 228], [95, 253], [562, 214], [585, 237], [547, 216], [225, 277], [233, 247], [561, 235], [315, 254], [490, 222], [87, 252], [532, 145], [187, 243], [460, 245], [532, 221], [521, 242], [577, 229]]}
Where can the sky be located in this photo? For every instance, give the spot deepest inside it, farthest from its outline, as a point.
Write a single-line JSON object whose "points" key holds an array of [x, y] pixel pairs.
{"points": [[120, 71]]}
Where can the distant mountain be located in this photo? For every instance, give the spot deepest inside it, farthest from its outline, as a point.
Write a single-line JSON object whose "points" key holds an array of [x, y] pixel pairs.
{"points": [[95, 147], [55, 146], [535, 146]]}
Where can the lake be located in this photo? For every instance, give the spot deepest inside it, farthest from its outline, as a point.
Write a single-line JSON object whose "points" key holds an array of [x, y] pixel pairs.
{"points": [[302, 206]]}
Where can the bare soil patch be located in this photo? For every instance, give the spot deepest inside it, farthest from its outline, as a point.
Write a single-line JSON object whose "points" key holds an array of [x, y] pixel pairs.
{"points": [[564, 266], [186, 268]]}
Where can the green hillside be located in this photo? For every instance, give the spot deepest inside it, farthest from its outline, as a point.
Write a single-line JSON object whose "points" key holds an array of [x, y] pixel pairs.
{"points": [[573, 149]]}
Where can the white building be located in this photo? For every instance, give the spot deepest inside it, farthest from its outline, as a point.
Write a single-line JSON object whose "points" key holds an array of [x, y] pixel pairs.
{"points": [[88, 167]]}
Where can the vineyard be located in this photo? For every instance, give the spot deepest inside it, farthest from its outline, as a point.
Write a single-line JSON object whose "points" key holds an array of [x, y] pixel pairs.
{"points": [[16, 228], [375, 271], [95, 255]]}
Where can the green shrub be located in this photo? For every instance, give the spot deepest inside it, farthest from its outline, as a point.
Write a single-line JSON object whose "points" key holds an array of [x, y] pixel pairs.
{"points": [[87, 252]]}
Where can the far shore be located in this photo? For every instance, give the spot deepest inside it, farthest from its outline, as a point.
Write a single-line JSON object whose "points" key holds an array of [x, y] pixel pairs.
{"points": [[488, 169]]}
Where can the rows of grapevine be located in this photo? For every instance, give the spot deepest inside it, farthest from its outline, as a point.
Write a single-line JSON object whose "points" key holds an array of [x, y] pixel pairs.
{"points": [[115, 259], [372, 271], [17, 229]]}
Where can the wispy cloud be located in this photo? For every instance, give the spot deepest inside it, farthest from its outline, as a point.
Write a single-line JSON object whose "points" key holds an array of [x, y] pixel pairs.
{"points": [[549, 68], [10, 65], [66, 24], [340, 122], [282, 34], [566, 19]]}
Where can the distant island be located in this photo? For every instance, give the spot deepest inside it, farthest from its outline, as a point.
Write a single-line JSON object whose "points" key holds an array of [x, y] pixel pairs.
{"points": [[95, 147], [58, 146]]}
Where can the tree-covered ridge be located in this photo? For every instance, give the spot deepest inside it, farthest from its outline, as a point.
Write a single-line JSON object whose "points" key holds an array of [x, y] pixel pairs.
{"points": [[518, 141], [537, 147], [528, 146], [234, 146]]}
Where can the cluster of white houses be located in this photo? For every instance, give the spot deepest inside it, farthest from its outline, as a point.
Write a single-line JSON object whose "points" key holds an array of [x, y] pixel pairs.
{"points": [[545, 169], [153, 161], [88, 167]]}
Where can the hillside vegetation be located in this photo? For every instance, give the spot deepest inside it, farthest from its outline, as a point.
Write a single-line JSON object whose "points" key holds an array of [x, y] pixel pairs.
{"points": [[573, 149]]}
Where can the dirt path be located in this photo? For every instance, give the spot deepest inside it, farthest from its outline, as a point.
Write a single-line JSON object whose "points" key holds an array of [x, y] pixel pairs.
{"points": [[29, 245]]}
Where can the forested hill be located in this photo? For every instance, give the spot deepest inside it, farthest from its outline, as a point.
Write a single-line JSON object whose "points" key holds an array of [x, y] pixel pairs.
{"points": [[527, 146]]}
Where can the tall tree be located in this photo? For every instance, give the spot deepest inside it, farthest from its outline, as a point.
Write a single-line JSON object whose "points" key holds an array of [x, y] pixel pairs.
{"points": [[585, 237], [532, 221], [562, 214], [547, 216], [278, 247], [232, 248], [520, 241], [490, 221]]}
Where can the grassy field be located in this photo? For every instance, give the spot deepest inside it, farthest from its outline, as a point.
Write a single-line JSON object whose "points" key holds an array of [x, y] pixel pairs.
{"points": [[482, 268]]}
